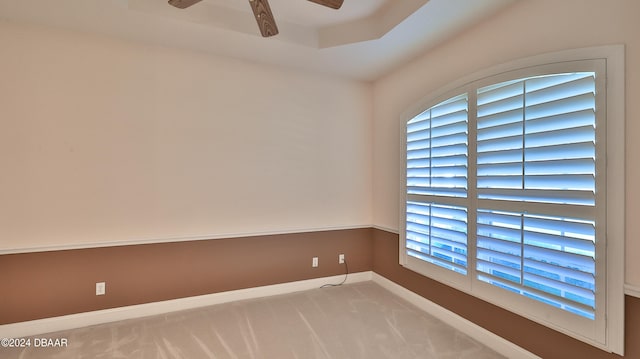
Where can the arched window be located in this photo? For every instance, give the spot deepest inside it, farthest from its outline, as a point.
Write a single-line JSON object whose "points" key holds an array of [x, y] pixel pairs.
{"points": [[510, 193]]}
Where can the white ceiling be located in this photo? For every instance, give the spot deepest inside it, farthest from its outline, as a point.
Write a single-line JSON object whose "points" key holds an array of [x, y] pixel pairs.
{"points": [[362, 40]]}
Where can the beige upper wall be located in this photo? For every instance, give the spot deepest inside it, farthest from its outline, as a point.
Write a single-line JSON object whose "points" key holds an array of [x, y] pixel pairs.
{"points": [[524, 29], [104, 140]]}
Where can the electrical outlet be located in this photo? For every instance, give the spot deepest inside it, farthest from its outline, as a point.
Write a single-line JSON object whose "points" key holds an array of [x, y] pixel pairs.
{"points": [[101, 288], [340, 258], [314, 262]]}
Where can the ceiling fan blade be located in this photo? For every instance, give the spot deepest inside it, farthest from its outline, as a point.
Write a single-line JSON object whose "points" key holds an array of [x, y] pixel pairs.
{"points": [[334, 4], [183, 4], [264, 17]]}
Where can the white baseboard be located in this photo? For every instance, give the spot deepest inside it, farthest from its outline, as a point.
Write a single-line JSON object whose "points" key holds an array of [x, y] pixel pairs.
{"points": [[473, 330], [48, 325]]}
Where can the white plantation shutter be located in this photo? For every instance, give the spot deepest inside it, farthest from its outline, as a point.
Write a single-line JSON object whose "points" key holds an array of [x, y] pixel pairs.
{"points": [[438, 234], [536, 140], [437, 150], [513, 192], [548, 259], [536, 144], [436, 172]]}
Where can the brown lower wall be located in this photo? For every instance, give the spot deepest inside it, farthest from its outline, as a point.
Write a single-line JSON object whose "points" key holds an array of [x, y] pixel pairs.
{"points": [[48, 284], [540, 340]]}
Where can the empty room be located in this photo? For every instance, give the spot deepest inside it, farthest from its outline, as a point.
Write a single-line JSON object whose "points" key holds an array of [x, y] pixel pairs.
{"points": [[319, 179]]}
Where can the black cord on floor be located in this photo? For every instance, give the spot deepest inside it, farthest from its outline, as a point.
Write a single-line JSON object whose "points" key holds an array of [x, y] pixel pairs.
{"points": [[343, 281]]}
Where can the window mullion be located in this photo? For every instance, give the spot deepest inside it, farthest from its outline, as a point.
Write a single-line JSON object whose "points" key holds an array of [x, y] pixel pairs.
{"points": [[524, 131], [523, 174], [472, 184]]}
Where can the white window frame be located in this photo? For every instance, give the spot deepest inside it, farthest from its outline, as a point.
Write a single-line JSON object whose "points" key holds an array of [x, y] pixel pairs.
{"points": [[607, 330]]}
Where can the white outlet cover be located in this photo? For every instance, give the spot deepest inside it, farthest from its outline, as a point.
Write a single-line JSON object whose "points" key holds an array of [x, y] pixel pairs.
{"points": [[101, 288], [314, 262]]}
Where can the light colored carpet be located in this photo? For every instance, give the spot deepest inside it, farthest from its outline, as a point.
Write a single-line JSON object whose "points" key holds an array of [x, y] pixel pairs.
{"points": [[360, 320]]}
